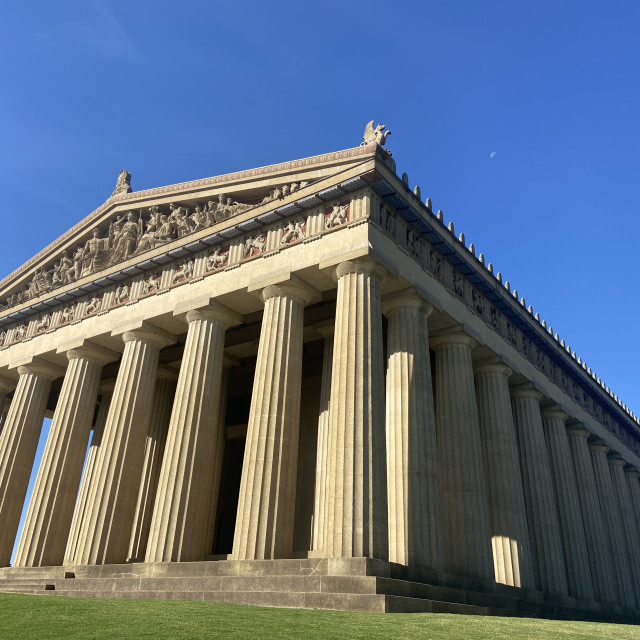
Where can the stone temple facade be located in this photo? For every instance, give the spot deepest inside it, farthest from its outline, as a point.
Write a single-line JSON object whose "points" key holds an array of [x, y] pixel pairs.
{"points": [[301, 388]]}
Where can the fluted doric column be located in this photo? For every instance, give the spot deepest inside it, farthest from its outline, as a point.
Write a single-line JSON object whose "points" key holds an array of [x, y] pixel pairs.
{"points": [[192, 462], [355, 518], [48, 520], [632, 474], [112, 501], [612, 522], [507, 512], [18, 445], [600, 558], [571, 524], [163, 395], [544, 526], [625, 508], [322, 449], [465, 511], [264, 522], [415, 521], [77, 523]]}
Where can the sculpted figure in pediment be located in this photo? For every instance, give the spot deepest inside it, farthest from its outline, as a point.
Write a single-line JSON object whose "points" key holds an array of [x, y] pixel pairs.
{"points": [[95, 254], [126, 241], [199, 218]]}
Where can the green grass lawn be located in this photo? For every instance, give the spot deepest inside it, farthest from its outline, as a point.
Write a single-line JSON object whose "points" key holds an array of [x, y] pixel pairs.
{"points": [[49, 617]]}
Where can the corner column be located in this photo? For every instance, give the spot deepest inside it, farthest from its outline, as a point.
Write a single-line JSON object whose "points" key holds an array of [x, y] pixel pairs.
{"points": [[573, 535], [600, 558], [48, 520], [544, 526], [322, 450], [78, 521], [415, 520], [612, 522], [632, 475], [163, 395], [465, 511], [109, 518], [191, 464], [355, 523], [625, 508], [264, 522], [18, 445], [508, 516]]}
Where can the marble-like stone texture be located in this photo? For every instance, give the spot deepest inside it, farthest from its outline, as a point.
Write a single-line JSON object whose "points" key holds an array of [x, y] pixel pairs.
{"points": [[465, 511], [509, 533], [18, 445], [415, 530], [355, 518]]}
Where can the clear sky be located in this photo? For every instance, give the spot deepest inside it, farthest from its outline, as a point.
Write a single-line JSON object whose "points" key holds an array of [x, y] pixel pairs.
{"points": [[519, 120]]}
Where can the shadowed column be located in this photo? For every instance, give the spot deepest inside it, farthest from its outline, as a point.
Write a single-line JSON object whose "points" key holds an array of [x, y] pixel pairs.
{"points": [[191, 465], [355, 518], [507, 511], [632, 475], [415, 520], [163, 396], [625, 508], [322, 450], [612, 522], [48, 520], [109, 518], [77, 523], [6, 386], [264, 523], [570, 512], [544, 526], [465, 511], [600, 558], [18, 445]]}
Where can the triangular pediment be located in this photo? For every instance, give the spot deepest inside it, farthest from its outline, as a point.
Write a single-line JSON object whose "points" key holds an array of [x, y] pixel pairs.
{"points": [[138, 228]]}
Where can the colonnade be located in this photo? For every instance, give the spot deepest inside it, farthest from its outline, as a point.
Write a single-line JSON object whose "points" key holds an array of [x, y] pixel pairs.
{"points": [[456, 471]]}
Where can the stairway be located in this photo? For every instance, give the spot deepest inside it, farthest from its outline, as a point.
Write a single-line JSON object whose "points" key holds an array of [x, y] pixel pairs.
{"points": [[354, 584]]}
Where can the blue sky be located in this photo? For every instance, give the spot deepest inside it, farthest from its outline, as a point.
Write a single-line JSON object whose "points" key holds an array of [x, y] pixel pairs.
{"points": [[519, 120]]}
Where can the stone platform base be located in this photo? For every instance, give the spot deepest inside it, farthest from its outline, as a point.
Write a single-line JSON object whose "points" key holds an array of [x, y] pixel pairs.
{"points": [[353, 584]]}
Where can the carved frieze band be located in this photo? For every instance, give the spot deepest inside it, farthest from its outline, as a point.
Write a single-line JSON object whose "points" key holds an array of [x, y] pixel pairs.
{"points": [[229, 254], [133, 233], [190, 186], [434, 263]]}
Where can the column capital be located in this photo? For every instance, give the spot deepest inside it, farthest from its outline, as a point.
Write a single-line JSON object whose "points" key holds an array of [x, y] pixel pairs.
{"points": [[578, 430], [616, 460], [90, 351], [139, 329], [554, 411], [492, 365], [405, 299], [631, 471], [298, 292], [42, 368], [526, 390], [284, 283], [165, 372], [598, 445], [216, 312], [361, 265], [454, 335], [326, 328], [107, 386]]}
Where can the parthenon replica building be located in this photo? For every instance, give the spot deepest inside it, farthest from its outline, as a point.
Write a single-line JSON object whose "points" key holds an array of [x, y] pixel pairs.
{"points": [[298, 387]]}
